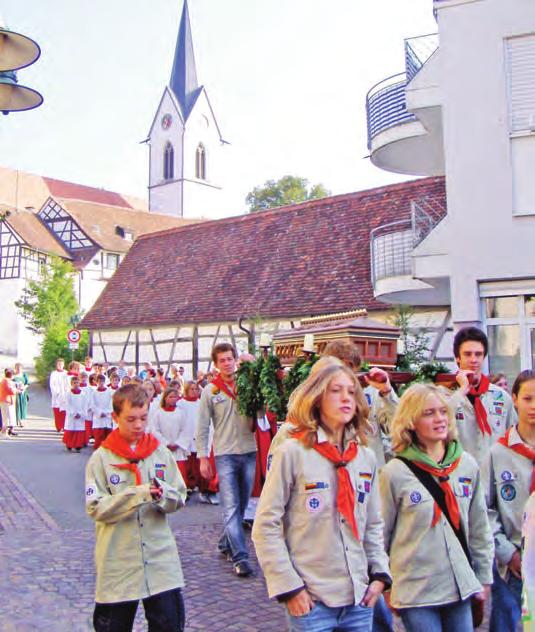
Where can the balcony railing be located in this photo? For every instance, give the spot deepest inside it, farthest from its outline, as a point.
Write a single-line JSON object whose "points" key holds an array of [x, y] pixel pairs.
{"points": [[392, 244], [386, 107], [417, 51]]}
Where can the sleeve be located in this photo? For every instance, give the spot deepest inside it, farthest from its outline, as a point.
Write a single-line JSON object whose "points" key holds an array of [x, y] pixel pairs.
{"points": [[373, 538], [101, 505], [504, 548], [203, 424], [174, 490], [389, 505], [512, 417], [268, 531], [480, 535], [183, 438]]}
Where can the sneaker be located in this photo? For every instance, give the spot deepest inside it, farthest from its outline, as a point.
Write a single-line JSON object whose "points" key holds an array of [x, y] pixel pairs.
{"points": [[213, 499], [243, 569], [203, 498], [91, 441]]}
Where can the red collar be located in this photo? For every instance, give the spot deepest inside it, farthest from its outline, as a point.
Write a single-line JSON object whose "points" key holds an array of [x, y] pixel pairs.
{"points": [[102, 389], [75, 391], [169, 409]]}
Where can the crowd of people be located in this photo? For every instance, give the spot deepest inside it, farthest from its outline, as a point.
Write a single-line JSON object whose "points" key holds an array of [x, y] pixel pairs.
{"points": [[13, 400], [369, 504]]}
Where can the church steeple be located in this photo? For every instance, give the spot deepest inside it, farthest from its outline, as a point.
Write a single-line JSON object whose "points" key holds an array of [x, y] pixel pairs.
{"points": [[183, 80]]}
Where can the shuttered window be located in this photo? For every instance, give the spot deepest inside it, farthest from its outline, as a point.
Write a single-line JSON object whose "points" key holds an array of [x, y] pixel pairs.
{"points": [[520, 53]]}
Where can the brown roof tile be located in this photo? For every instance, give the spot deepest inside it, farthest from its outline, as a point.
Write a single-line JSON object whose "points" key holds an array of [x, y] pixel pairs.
{"points": [[301, 260], [35, 234]]}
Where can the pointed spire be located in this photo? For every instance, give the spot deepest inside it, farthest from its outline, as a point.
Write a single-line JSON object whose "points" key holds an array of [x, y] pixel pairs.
{"points": [[184, 74]]}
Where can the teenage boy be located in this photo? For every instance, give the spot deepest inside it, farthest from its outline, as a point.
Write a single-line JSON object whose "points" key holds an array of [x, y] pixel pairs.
{"points": [[132, 482], [483, 410], [59, 387], [235, 454]]}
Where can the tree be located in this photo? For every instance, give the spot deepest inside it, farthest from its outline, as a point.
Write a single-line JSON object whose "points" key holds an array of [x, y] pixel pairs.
{"points": [[51, 298], [287, 190], [48, 306]]}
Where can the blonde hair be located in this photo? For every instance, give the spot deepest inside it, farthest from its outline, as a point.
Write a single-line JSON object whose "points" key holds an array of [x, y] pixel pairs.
{"points": [[305, 401], [411, 407]]}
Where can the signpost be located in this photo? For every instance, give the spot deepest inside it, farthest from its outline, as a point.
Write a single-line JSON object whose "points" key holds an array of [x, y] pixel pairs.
{"points": [[73, 337]]}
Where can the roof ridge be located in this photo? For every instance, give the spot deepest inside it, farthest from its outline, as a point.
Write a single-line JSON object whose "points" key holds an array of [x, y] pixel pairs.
{"points": [[301, 205]]}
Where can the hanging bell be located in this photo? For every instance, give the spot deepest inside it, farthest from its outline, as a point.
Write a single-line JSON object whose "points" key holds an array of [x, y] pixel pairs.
{"points": [[16, 51], [16, 98]]}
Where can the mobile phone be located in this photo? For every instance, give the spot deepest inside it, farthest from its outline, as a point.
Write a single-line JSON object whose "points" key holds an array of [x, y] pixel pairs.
{"points": [[156, 483]]}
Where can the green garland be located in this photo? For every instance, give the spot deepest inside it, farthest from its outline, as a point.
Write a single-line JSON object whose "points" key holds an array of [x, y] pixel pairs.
{"points": [[250, 398], [271, 387], [297, 374]]}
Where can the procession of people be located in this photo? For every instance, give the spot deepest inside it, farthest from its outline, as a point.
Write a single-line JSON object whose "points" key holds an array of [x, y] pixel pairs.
{"points": [[367, 503]]}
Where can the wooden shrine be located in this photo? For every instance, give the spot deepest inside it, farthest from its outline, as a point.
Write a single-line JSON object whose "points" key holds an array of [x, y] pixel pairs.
{"points": [[376, 342]]}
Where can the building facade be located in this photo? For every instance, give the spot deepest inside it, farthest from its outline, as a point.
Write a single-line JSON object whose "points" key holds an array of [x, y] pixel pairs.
{"points": [[465, 108]]}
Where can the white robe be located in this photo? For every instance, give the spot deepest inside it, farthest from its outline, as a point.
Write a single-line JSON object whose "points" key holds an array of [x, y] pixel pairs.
{"points": [[59, 387], [168, 428], [102, 408], [75, 404]]}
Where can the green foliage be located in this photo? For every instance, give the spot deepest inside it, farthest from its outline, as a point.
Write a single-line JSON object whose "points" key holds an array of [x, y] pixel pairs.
{"points": [[427, 372], [55, 346], [286, 190], [51, 299], [414, 342], [250, 399], [297, 374], [271, 386]]}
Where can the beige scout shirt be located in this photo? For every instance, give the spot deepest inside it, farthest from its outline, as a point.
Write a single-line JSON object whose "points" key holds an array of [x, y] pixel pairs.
{"points": [[500, 414], [509, 483], [232, 431], [429, 567], [382, 409], [136, 554], [300, 537]]}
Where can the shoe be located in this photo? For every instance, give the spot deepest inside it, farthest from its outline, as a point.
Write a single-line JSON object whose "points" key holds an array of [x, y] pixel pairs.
{"points": [[91, 441], [213, 499], [247, 524], [12, 433], [227, 554], [203, 498], [243, 569], [78, 450]]}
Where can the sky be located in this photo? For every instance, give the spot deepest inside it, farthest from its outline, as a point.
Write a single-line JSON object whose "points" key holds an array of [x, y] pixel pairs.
{"points": [[287, 80]]}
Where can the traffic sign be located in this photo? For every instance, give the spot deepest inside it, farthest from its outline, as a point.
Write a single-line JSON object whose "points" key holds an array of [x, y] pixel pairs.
{"points": [[73, 346], [74, 335]]}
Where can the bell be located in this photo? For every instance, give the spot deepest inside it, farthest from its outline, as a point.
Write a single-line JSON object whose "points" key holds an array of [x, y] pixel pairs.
{"points": [[16, 50], [15, 98]]}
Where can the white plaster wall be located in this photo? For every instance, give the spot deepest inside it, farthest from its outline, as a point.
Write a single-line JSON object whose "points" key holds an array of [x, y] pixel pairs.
{"points": [[490, 243], [16, 341]]}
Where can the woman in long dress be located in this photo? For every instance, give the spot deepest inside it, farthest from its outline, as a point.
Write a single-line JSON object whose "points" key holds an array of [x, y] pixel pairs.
{"points": [[21, 380]]}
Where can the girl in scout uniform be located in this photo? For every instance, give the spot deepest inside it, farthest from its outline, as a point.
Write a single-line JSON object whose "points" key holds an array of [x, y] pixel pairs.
{"points": [[318, 528], [433, 577], [511, 480]]}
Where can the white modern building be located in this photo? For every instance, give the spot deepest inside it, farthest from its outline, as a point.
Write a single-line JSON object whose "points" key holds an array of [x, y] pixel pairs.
{"points": [[185, 142], [465, 108]]}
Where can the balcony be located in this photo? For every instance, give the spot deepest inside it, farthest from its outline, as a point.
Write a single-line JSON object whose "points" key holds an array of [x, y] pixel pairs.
{"points": [[392, 247], [404, 118]]}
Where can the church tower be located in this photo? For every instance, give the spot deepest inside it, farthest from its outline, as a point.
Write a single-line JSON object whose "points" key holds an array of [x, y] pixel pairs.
{"points": [[184, 141]]}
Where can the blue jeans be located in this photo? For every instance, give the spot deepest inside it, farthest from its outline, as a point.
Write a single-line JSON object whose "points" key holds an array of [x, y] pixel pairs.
{"points": [[506, 603], [452, 617], [236, 478], [323, 618], [382, 617]]}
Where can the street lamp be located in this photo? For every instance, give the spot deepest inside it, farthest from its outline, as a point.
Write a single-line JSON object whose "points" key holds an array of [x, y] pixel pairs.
{"points": [[16, 51]]}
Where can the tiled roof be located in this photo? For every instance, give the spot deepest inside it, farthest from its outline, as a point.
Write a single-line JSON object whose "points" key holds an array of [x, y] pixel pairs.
{"points": [[302, 260], [99, 222], [34, 233], [73, 191]]}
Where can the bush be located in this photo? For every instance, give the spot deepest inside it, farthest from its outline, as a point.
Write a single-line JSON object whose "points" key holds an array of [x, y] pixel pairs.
{"points": [[54, 346]]}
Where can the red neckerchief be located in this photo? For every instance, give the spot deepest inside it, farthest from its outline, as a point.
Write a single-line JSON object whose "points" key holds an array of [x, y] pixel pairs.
{"points": [[102, 389], [114, 388], [191, 399], [474, 395], [117, 444], [169, 409], [451, 502], [71, 373], [523, 450], [345, 498], [219, 383], [75, 391]]}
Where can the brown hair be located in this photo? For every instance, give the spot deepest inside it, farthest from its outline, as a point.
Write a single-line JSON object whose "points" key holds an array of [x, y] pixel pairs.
{"points": [[131, 393], [222, 347], [188, 385], [344, 351], [166, 393], [524, 376], [305, 401]]}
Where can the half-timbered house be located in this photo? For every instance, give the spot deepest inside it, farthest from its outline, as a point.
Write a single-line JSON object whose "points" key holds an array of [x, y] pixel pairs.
{"points": [[179, 291]]}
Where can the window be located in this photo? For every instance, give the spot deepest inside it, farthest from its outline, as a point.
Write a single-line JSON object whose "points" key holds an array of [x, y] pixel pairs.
{"points": [[520, 53], [200, 162], [168, 162], [112, 261]]}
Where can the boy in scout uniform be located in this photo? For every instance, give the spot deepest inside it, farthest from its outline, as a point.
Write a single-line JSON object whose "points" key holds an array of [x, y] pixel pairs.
{"points": [[512, 480], [132, 482], [483, 411]]}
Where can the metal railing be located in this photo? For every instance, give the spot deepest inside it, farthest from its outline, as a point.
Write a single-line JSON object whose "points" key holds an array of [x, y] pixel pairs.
{"points": [[392, 244], [386, 106], [417, 51]]}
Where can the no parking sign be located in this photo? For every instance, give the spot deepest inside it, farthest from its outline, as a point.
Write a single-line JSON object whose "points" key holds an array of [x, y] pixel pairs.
{"points": [[73, 336]]}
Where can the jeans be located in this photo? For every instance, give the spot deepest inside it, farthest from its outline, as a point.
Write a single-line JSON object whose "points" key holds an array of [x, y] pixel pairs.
{"points": [[506, 603], [382, 617], [236, 477], [451, 617], [323, 618], [164, 613]]}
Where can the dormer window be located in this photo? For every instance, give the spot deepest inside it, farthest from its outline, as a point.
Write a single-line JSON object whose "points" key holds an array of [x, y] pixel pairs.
{"points": [[200, 162], [168, 162]]}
